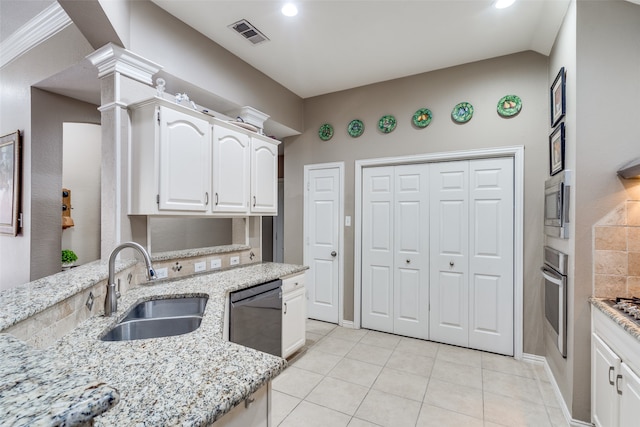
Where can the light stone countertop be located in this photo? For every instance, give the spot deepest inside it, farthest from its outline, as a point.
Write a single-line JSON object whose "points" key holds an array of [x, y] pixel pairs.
{"points": [[628, 325], [191, 379], [38, 389], [189, 253]]}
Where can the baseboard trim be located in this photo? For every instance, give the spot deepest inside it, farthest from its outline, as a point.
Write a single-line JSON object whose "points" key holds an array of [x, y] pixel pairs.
{"points": [[347, 324], [541, 360]]}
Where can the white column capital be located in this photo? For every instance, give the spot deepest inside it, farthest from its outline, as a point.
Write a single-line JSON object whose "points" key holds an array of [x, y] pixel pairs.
{"points": [[112, 58]]}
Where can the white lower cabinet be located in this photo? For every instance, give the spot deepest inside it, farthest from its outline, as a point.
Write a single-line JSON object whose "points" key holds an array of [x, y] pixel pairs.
{"points": [[615, 386], [294, 315], [253, 412]]}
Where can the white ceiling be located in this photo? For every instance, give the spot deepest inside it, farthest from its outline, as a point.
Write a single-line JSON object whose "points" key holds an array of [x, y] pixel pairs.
{"points": [[335, 45]]}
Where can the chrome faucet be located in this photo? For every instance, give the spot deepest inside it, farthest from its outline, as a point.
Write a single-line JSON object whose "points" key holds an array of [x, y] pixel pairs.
{"points": [[113, 292]]}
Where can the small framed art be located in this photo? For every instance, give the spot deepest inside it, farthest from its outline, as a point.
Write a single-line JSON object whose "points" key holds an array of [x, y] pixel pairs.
{"points": [[556, 150], [10, 185], [558, 98]]}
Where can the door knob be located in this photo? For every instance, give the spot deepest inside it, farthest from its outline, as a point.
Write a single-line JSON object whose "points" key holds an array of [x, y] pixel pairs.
{"points": [[334, 253], [451, 264], [408, 261]]}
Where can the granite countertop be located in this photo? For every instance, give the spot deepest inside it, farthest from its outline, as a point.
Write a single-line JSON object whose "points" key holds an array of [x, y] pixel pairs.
{"points": [[627, 324], [191, 379], [38, 389]]}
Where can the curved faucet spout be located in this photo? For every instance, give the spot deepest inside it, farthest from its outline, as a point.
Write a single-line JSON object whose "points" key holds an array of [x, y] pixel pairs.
{"points": [[113, 293]]}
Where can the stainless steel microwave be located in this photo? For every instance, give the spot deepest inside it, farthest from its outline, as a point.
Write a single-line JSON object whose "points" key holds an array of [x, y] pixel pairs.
{"points": [[557, 191]]}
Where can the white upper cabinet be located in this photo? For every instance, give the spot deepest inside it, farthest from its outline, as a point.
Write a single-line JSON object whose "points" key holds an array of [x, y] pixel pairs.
{"points": [[183, 162], [264, 176], [231, 170]]}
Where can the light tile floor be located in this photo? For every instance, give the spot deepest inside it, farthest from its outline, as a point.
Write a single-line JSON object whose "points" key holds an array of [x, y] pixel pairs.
{"points": [[359, 378]]}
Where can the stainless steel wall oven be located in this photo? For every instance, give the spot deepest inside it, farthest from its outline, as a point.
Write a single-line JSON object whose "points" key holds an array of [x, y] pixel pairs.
{"points": [[557, 191], [554, 272]]}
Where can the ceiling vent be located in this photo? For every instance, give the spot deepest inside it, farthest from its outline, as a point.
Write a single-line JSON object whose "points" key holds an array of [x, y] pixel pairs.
{"points": [[248, 31]]}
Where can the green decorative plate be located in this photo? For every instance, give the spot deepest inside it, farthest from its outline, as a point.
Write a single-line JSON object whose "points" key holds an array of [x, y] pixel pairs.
{"points": [[325, 132], [462, 112], [422, 117], [387, 124], [355, 128], [509, 105]]}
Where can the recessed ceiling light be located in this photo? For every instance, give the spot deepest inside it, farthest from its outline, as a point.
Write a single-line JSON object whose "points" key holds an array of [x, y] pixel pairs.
{"points": [[501, 4], [289, 9]]}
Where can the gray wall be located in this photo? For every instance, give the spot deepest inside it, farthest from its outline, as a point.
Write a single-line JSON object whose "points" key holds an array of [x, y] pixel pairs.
{"points": [[174, 234], [482, 84], [54, 55]]}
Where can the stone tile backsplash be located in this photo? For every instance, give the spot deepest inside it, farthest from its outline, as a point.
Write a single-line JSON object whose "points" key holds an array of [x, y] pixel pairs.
{"points": [[616, 252]]}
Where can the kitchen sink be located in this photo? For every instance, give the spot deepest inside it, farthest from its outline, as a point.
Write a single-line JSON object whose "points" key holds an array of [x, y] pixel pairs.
{"points": [[159, 318], [167, 307]]}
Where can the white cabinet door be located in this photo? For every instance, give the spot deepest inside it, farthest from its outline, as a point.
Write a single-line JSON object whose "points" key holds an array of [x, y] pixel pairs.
{"points": [[253, 412], [605, 366], [264, 177], [293, 321], [449, 237], [629, 397], [231, 170], [185, 150]]}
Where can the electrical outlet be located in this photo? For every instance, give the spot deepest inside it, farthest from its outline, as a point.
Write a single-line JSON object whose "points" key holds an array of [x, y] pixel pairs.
{"points": [[234, 260], [216, 263], [200, 266], [162, 273]]}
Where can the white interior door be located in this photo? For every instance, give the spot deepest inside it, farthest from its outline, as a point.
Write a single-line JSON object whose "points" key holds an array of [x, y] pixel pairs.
{"points": [[377, 248], [411, 251], [323, 212], [491, 282], [449, 223]]}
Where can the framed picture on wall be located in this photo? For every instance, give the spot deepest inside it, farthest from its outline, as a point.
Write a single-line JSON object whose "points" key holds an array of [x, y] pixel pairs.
{"points": [[558, 98], [10, 185], [556, 150]]}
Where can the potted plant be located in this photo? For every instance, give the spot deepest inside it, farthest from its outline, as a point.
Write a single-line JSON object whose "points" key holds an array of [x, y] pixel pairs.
{"points": [[68, 258]]}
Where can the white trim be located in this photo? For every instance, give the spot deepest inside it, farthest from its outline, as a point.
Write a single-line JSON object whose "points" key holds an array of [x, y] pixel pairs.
{"points": [[347, 324], [517, 152], [305, 234], [541, 360], [44, 25], [112, 58]]}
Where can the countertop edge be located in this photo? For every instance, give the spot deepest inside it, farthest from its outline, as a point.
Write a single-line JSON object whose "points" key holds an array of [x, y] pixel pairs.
{"points": [[627, 325]]}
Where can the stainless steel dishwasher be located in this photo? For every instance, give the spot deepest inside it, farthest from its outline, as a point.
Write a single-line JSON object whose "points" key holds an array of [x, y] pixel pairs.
{"points": [[255, 317]]}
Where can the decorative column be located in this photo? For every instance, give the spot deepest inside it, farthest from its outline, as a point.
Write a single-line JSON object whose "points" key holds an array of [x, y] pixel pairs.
{"points": [[118, 68]]}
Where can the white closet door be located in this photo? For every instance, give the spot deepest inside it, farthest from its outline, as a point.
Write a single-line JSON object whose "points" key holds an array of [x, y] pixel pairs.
{"points": [[377, 248], [491, 255], [411, 249], [449, 220]]}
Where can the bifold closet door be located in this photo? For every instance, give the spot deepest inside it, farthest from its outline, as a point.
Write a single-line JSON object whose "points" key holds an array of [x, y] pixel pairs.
{"points": [[395, 242], [471, 279]]}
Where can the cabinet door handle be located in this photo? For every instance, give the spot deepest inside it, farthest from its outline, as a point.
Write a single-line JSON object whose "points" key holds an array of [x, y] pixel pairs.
{"points": [[206, 198], [216, 199], [611, 371], [254, 201], [285, 308], [618, 378]]}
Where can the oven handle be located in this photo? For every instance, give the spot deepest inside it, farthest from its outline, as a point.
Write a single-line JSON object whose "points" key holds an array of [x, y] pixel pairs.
{"points": [[552, 276]]}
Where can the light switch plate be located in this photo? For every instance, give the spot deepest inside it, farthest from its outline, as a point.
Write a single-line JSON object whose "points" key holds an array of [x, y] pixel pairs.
{"points": [[234, 260], [200, 266], [216, 263], [162, 273]]}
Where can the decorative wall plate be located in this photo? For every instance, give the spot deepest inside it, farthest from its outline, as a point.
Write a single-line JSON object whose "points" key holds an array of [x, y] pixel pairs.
{"points": [[509, 105], [462, 112], [387, 124], [422, 117], [325, 132], [355, 128]]}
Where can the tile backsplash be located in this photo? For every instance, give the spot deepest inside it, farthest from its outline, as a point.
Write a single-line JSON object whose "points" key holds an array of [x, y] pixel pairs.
{"points": [[616, 252]]}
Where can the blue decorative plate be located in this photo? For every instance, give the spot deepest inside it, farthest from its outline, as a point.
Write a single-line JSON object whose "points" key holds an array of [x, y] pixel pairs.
{"points": [[462, 112], [387, 124], [325, 132], [422, 117], [355, 128]]}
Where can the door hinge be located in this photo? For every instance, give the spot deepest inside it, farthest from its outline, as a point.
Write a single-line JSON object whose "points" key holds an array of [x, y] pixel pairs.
{"points": [[308, 185], [158, 116], [157, 199]]}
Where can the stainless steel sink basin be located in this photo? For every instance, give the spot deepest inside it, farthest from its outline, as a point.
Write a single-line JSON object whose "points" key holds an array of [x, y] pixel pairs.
{"points": [[167, 307], [159, 318], [153, 328]]}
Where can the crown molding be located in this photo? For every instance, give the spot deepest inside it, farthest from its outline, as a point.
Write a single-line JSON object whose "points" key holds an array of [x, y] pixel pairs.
{"points": [[44, 25], [111, 58]]}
